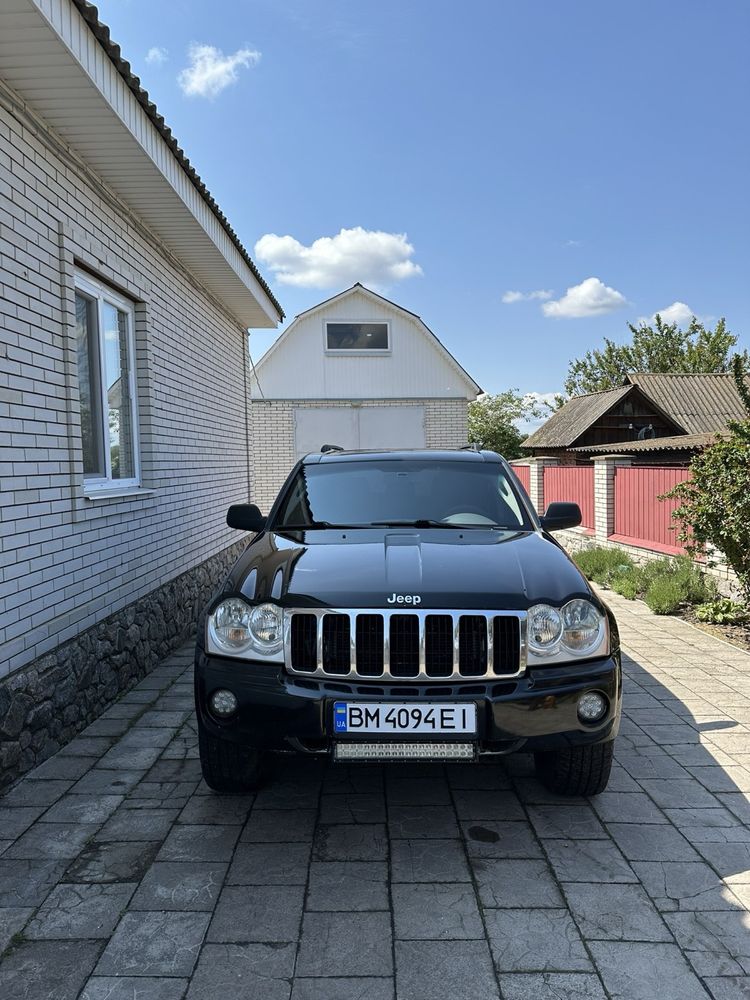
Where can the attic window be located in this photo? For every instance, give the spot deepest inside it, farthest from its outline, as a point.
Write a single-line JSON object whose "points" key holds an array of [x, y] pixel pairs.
{"points": [[357, 337]]}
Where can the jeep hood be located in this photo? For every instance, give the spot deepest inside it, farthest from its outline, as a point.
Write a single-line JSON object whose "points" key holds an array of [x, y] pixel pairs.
{"points": [[362, 568]]}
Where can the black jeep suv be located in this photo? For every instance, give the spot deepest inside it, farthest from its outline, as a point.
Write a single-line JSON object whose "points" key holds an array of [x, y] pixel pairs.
{"points": [[407, 605]]}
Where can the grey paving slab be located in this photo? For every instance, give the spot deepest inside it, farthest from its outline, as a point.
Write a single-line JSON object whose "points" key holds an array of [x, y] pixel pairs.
{"points": [[129, 824], [436, 911], [243, 972], [199, 843], [272, 825], [27, 883], [551, 986], [352, 809], [129, 988], [115, 861], [444, 970], [622, 913], [84, 910], [716, 944], [348, 885], [588, 861], [363, 988], [528, 940], [636, 971], [15, 821], [269, 864], [511, 883], [345, 944], [429, 861], [257, 913], [416, 822], [47, 970], [72, 808], [180, 885], [12, 920], [500, 840], [351, 842], [52, 840], [154, 944]]}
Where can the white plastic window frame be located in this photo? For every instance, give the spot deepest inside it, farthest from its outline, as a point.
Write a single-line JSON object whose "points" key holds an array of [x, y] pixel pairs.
{"points": [[362, 352], [100, 293]]}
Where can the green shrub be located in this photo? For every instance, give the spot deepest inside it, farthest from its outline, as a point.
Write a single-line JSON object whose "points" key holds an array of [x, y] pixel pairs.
{"points": [[602, 564], [625, 584], [722, 611], [665, 594]]}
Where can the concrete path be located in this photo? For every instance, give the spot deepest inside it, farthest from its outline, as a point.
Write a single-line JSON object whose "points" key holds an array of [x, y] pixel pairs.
{"points": [[122, 876]]}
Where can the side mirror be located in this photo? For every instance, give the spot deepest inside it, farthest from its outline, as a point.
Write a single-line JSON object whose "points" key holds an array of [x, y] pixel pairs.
{"points": [[245, 517], [561, 514]]}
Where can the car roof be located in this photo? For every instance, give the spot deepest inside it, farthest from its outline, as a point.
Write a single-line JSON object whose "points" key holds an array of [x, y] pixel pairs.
{"points": [[403, 455]]}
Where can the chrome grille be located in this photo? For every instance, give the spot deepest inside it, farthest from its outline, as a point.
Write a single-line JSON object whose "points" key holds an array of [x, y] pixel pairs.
{"points": [[408, 646]]}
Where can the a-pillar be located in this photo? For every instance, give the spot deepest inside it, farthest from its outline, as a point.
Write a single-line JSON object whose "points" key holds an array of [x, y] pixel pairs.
{"points": [[604, 493]]}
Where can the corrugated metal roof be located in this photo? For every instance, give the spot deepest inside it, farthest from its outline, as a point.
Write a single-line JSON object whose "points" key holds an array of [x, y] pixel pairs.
{"points": [[101, 32], [677, 442], [699, 403], [571, 420]]}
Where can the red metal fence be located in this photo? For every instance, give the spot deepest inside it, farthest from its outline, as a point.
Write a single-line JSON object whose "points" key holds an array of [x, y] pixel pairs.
{"points": [[641, 519], [573, 483], [524, 474]]}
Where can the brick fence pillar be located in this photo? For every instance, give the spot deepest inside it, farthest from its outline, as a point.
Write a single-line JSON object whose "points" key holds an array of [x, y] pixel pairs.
{"points": [[536, 480], [604, 494]]}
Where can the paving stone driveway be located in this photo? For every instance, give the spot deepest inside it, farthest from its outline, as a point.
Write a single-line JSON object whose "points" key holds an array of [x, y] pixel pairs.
{"points": [[122, 876]]}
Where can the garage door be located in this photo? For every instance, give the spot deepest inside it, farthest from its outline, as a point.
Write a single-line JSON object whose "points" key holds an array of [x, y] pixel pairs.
{"points": [[354, 427]]}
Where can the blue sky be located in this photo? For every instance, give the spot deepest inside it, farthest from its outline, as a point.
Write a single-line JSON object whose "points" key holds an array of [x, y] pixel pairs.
{"points": [[518, 147]]}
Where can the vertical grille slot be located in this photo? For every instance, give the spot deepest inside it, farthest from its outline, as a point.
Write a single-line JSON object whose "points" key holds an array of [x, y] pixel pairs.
{"points": [[472, 645], [438, 645], [336, 644], [370, 636], [507, 640], [304, 642], [404, 641]]}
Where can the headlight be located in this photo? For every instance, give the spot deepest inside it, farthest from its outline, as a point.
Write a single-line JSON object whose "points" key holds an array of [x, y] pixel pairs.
{"points": [[545, 629], [582, 627], [237, 629], [578, 629]]}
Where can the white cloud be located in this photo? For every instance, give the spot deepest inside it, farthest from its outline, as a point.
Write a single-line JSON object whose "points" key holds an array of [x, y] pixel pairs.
{"points": [[369, 256], [511, 297], [210, 71], [591, 298], [678, 313], [156, 56]]}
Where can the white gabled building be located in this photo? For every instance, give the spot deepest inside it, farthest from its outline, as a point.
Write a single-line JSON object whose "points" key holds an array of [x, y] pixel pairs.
{"points": [[357, 371]]}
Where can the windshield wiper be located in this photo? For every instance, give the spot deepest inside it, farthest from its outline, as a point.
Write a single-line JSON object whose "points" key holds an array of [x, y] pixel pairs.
{"points": [[313, 525], [427, 523]]}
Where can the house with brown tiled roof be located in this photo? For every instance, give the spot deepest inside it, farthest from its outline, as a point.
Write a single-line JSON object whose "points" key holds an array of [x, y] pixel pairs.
{"points": [[656, 418]]}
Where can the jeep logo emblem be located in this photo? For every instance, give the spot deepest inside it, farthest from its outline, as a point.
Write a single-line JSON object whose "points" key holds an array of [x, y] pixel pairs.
{"points": [[404, 599]]}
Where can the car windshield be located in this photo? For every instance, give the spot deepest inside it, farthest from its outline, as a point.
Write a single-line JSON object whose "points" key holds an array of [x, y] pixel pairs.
{"points": [[397, 493]]}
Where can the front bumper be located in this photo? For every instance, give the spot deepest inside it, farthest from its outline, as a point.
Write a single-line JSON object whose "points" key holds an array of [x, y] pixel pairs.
{"points": [[535, 712]]}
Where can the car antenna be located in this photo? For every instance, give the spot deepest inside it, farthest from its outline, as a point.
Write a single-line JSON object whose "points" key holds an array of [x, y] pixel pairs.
{"points": [[470, 447], [330, 447]]}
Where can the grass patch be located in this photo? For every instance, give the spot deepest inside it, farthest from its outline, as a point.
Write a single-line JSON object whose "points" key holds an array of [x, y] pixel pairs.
{"points": [[666, 584]]}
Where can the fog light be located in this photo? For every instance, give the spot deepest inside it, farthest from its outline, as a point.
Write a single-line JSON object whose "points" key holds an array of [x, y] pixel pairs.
{"points": [[223, 703], [592, 707]]}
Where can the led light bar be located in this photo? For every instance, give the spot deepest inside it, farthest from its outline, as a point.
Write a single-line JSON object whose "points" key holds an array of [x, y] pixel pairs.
{"points": [[404, 751]]}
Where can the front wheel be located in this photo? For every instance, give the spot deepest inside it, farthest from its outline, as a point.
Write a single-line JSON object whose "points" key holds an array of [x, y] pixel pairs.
{"points": [[580, 770], [228, 767]]}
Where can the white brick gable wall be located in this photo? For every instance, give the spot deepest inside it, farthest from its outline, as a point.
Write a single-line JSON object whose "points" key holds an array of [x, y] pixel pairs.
{"points": [[66, 562]]}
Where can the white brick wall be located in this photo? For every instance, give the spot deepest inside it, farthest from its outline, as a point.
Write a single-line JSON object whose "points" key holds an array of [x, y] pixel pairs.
{"points": [[272, 435], [65, 561]]}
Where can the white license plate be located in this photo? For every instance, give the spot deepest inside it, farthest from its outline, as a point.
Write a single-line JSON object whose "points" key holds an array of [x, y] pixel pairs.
{"points": [[404, 717]]}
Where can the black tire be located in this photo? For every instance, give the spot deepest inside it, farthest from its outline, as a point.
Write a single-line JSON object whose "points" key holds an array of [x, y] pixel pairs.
{"points": [[228, 767], [577, 771]]}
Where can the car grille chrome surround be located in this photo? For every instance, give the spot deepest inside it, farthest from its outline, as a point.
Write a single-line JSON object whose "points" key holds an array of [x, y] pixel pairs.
{"points": [[414, 645]]}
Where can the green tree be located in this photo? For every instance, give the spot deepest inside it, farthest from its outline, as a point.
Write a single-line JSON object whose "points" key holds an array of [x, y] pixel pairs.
{"points": [[663, 347], [492, 421], [715, 502]]}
